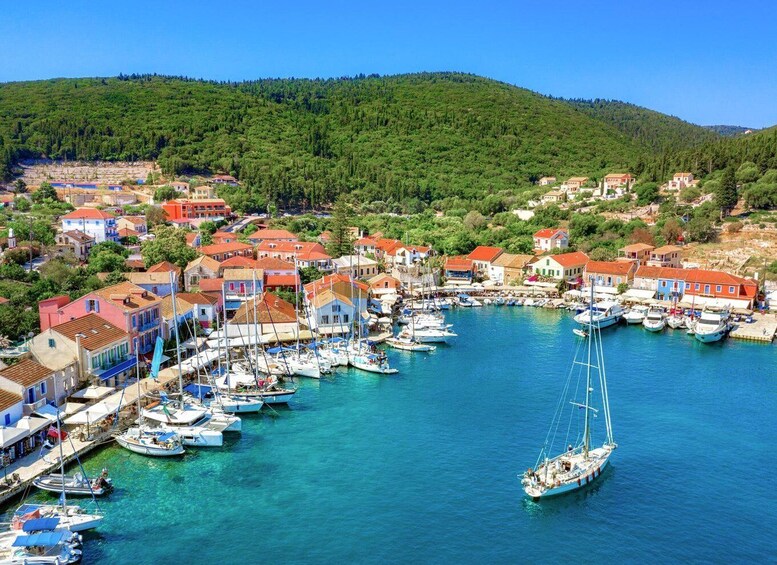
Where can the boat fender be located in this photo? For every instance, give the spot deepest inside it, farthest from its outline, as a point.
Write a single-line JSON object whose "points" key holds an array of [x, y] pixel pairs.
{"points": [[598, 470], [578, 481], [587, 479]]}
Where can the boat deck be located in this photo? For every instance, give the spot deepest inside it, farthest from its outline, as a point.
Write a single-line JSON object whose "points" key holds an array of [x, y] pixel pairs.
{"points": [[763, 329]]}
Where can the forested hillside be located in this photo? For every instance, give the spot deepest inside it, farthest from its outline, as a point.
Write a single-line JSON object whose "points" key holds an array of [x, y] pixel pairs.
{"points": [[654, 130], [728, 131], [409, 138]]}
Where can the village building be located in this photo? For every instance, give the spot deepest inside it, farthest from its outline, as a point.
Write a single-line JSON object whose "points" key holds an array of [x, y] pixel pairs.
{"points": [[609, 274], [193, 239], [355, 266], [184, 312], [240, 285], [223, 251], [547, 181], [681, 180], [158, 283], [697, 286], [219, 237], [554, 197], [203, 267], [617, 183], [271, 318], [271, 235], [183, 209], [459, 270], [207, 307], [639, 252], [482, 257], [76, 242], [95, 223], [134, 223], [508, 267], [125, 305], [30, 380], [85, 349], [665, 256], [409, 255], [305, 253], [384, 284], [574, 183], [551, 238], [179, 186], [567, 267], [223, 179]]}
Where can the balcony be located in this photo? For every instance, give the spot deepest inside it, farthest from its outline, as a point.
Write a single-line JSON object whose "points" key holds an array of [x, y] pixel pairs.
{"points": [[149, 325], [108, 370], [32, 407]]}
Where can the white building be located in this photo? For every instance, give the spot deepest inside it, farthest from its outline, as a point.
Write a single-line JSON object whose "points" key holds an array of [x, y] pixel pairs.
{"points": [[357, 266], [93, 222]]}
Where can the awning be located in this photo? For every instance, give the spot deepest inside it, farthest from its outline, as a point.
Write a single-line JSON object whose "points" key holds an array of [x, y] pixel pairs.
{"points": [[201, 359], [92, 393], [40, 524], [116, 369], [10, 435], [92, 414], [32, 424], [700, 301], [44, 539], [49, 412], [639, 294], [198, 391]]}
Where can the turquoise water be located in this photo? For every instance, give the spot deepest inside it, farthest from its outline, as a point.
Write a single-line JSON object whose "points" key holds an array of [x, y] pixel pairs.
{"points": [[421, 466]]}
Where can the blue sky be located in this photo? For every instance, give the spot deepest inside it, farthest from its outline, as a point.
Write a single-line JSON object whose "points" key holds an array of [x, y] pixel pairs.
{"points": [[710, 62]]}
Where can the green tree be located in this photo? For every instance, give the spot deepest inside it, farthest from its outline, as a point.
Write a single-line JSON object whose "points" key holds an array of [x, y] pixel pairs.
{"points": [[689, 194], [474, 220], [19, 186], [22, 204], [169, 244], [623, 287], [671, 231], [208, 227], [647, 192], [309, 274], [165, 193], [747, 172], [110, 246], [45, 192], [155, 216], [341, 240], [701, 229], [726, 195], [106, 262]]}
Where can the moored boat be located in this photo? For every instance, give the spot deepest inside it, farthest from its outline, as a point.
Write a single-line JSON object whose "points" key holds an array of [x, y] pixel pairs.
{"points": [[75, 485], [409, 344], [605, 314], [654, 321], [636, 314], [712, 325], [151, 441]]}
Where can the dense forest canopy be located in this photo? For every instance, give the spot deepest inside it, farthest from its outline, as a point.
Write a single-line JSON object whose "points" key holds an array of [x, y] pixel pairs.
{"points": [[413, 140]]}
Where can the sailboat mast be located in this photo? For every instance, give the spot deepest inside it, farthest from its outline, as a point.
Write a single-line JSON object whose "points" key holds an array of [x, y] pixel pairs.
{"points": [[591, 338], [61, 454], [177, 338]]}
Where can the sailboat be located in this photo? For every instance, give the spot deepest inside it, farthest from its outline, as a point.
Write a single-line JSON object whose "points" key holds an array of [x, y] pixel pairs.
{"points": [[581, 463], [71, 517], [144, 440]]}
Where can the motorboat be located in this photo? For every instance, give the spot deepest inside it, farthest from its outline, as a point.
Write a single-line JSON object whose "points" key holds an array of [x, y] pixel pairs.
{"points": [[373, 363], [605, 314], [269, 390], [41, 546], [153, 442], [189, 421], [75, 485], [636, 314], [712, 325], [409, 344], [428, 335], [230, 403], [655, 320], [675, 320], [70, 517]]}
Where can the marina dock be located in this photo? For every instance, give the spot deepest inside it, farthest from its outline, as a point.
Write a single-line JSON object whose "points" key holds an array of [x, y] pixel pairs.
{"points": [[763, 329]]}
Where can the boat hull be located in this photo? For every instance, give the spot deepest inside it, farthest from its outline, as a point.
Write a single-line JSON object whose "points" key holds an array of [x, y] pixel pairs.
{"points": [[654, 327], [241, 406], [711, 337], [141, 449], [582, 481]]}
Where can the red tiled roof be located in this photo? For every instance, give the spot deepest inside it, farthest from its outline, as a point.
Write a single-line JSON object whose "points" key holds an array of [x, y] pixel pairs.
{"points": [[570, 259], [387, 245], [548, 232], [701, 276], [458, 264], [273, 264], [219, 248], [191, 237], [666, 249], [635, 247], [485, 253], [211, 285], [328, 280], [126, 232], [197, 297], [26, 372], [94, 331], [281, 280], [164, 267], [367, 240], [267, 235], [271, 309], [87, 214], [609, 267], [239, 262], [290, 246]]}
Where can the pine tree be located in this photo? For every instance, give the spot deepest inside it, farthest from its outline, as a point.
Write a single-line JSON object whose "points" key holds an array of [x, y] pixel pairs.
{"points": [[340, 241], [726, 196]]}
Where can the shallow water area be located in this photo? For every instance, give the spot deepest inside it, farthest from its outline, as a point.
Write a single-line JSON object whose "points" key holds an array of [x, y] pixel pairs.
{"points": [[422, 466]]}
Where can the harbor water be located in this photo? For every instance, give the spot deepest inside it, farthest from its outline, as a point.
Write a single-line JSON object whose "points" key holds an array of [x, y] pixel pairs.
{"points": [[423, 466]]}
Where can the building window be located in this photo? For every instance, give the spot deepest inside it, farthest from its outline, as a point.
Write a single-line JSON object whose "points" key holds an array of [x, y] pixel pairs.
{"points": [[52, 343], [697, 286], [325, 319], [43, 387], [731, 290], [7, 419], [335, 307], [336, 318], [706, 289], [719, 288], [345, 318], [687, 286]]}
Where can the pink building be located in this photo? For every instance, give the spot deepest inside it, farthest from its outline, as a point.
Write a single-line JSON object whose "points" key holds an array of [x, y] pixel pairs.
{"points": [[125, 305]]}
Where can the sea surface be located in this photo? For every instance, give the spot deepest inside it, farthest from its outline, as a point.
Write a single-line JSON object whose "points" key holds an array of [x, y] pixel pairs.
{"points": [[421, 467]]}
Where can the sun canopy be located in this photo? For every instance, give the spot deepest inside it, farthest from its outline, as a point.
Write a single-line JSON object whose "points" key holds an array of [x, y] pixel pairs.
{"points": [[92, 393], [198, 391], [40, 524], [639, 294], [9, 436], [44, 539], [32, 424], [201, 359], [92, 414]]}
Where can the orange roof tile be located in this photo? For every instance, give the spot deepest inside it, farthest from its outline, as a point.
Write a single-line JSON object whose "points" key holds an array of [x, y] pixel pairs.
{"points": [[87, 214], [219, 248], [485, 253], [570, 259], [609, 267], [549, 232], [26, 372], [95, 332]]}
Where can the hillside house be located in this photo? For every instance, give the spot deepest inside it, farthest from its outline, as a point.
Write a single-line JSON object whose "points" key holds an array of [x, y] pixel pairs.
{"points": [[610, 273], [203, 267], [223, 251], [271, 235], [96, 223], [482, 257], [568, 267], [547, 181], [554, 197], [355, 266], [681, 180], [617, 183], [207, 307], [665, 256], [134, 223], [639, 252], [551, 238], [76, 242], [508, 267]]}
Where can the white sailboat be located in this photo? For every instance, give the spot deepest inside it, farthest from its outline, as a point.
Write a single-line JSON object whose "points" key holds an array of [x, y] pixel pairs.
{"points": [[581, 462], [636, 314]]}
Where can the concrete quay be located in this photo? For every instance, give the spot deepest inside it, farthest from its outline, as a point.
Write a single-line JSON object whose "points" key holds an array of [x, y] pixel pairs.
{"points": [[763, 329]]}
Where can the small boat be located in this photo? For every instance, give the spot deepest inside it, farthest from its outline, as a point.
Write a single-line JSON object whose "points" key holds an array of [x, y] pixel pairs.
{"points": [[499, 301], [580, 333], [40, 546], [151, 441], [654, 321], [75, 485], [712, 325], [70, 517], [578, 465], [605, 314], [675, 321], [636, 314], [488, 302], [409, 344], [428, 335], [269, 390], [373, 363]]}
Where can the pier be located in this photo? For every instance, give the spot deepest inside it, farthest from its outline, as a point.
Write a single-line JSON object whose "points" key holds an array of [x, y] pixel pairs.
{"points": [[762, 329]]}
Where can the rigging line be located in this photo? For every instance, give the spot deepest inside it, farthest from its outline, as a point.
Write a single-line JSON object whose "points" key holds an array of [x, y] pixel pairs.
{"points": [[278, 339], [83, 472]]}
